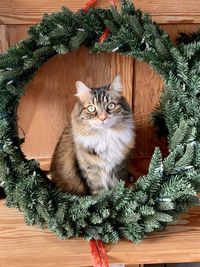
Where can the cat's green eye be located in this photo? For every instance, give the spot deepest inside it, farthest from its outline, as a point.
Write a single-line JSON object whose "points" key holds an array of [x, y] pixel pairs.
{"points": [[91, 109], [111, 106]]}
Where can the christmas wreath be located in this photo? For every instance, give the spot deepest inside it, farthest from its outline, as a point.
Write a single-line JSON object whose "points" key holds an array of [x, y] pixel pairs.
{"points": [[172, 183]]}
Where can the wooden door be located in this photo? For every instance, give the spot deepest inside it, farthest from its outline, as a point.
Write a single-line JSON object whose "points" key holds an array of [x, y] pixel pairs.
{"points": [[49, 98]]}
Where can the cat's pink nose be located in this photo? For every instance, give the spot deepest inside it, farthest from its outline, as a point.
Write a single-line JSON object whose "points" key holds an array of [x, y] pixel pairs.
{"points": [[103, 116]]}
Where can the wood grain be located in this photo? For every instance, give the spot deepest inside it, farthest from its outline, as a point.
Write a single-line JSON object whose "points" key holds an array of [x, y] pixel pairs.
{"points": [[162, 11], [44, 110], [27, 246], [147, 88], [50, 97], [3, 38], [16, 33], [174, 29], [142, 88]]}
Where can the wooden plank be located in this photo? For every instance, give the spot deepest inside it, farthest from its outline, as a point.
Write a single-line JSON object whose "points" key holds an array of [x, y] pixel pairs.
{"points": [[16, 33], [174, 29], [27, 246], [147, 89], [12, 34], [162, 11], [3, 38]]}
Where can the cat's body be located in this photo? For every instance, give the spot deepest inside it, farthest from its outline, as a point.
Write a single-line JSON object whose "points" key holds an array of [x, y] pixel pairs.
{"points": [[94, 148]]}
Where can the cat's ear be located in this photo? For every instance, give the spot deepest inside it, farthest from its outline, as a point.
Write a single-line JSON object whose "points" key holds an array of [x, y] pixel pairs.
{"points": [[83, 91], [116, 86]]}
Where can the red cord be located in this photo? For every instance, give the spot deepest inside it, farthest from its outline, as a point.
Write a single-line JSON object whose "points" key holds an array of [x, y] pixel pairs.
{"points": [[103, 253], [88, 5], [98, 253], [104, 35], [91, 3], [113, 2]]}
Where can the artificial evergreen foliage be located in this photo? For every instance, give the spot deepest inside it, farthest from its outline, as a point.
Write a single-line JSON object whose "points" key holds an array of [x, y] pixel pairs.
{"points": [[171, 185]]}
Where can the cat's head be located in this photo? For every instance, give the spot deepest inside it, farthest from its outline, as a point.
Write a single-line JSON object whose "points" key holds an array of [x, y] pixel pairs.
{"points": [[103, 107]]}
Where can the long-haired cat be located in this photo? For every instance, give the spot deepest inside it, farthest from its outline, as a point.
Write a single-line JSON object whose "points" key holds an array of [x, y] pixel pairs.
{"points": [[93, 150]]}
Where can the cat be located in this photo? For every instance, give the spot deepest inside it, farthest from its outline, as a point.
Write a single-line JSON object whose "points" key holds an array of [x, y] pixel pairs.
{"points": [[94, 148]]}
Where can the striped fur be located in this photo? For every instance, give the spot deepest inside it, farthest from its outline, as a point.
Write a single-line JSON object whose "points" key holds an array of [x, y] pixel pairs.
{"points": [[93, 151]]}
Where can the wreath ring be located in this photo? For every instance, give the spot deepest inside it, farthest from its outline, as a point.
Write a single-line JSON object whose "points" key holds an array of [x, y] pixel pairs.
{"points": [[171, 185]]}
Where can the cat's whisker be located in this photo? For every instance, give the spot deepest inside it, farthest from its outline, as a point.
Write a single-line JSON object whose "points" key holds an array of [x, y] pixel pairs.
{"points": [[142, 113], [126, 116], [143, 116], [82, 131], [138, 120], [143, 119], [85, 131]]}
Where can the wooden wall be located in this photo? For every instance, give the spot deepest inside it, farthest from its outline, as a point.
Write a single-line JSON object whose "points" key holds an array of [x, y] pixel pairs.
{"points": [[49, 98]]}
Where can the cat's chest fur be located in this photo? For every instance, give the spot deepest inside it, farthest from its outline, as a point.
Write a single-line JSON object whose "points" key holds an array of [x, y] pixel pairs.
{"points": [[108, 144]]}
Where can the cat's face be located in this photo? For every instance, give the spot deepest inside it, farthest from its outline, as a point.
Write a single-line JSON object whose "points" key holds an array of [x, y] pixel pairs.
{"points": [[103, 107]]}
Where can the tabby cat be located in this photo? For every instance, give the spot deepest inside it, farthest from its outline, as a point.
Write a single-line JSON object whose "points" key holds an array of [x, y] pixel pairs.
{"points": [[93, 150]]}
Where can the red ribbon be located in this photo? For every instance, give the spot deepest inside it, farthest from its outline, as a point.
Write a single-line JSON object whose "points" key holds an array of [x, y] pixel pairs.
{"points": [[98, 253], [91, 3], [104, 35], [113, 2], [88, 5]]}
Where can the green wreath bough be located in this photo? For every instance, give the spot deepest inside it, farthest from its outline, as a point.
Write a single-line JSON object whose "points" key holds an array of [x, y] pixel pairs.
{"points": [[171, 185]]}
